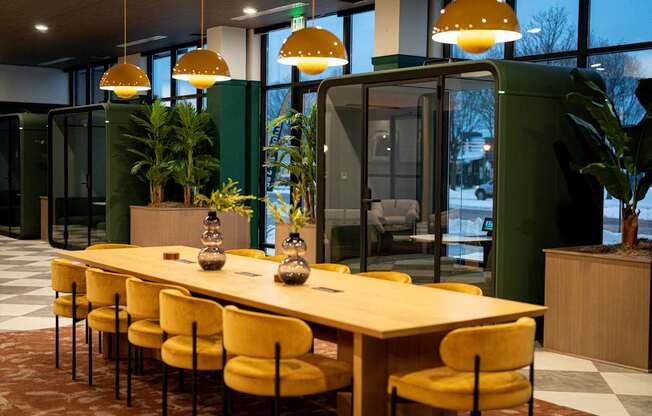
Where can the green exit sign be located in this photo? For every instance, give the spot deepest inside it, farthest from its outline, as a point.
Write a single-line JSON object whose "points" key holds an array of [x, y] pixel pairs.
{"points": [[298, 23]]}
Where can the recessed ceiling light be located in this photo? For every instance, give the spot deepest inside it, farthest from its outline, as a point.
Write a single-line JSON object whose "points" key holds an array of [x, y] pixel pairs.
{"points": [[41, 28], [249, 10], [599, 69], [270, 11], [596, 65], [534, 30]]}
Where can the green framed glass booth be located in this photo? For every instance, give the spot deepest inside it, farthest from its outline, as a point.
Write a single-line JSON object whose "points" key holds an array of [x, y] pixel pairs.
{"points": [[23, 170], [452, 172], [90, 187]]}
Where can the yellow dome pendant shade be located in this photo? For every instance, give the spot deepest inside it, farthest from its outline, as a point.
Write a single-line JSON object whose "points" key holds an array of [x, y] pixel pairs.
{"points": [[312, 50], [476, 25], [202, 68], [125, 80]]}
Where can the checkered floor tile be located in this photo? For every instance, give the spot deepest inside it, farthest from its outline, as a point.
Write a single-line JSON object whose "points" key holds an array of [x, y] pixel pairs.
{"points": [[592, 387]]}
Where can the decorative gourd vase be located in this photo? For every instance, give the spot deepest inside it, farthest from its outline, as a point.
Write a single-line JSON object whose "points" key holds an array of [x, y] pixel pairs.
{"points": [[212, 257], [294, 269]]}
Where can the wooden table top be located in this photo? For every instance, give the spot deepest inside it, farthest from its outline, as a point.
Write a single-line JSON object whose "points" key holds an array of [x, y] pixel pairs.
{"points": [[372, 307]]}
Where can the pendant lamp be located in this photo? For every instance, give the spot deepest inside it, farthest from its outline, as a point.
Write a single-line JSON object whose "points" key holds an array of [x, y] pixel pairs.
{"points": [[201, 67], [124, 79], [476, 25], [313, 49]]}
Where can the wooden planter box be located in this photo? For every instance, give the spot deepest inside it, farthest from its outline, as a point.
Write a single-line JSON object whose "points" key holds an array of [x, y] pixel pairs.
{"points": [[153, 226], [599, 306], [308, 233]]}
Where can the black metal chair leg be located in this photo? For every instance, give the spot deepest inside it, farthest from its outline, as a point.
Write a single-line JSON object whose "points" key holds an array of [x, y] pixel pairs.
{"points": [[86, 331], [164, 390], [530, 405], [56, 341], [225, 388], [194, 369], [393, 402], [476, 388], [182, 383], [99, 342], [90, 349], [128, 363], [117, 347], [141, 357], [74, 331], [277, 378]]}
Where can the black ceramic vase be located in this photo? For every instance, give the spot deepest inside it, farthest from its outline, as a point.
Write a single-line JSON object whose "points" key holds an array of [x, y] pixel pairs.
{"points": [[294, 269], [211, 257]]}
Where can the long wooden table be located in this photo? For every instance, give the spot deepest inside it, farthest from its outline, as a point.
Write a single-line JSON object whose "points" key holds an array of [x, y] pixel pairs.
{"points": [[382, 327]]}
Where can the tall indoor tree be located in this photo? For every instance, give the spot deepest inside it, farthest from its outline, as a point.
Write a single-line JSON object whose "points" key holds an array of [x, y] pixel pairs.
{"points": [[151, 128], [192, 142]]}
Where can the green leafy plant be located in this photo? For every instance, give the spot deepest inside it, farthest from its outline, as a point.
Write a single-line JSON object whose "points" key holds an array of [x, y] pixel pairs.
{"points": [[228, 198], [192, 143], [624, 154], [151, 127], [291, 214], [295, 154]]}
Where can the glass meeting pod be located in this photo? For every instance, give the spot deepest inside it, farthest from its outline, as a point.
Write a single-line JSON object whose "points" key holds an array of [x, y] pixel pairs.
{"points": [[454, 172], [90, 183], [23, 170]]}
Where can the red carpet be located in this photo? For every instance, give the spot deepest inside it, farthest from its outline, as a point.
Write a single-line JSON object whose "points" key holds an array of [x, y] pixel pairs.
{"points": [[31, 385]]}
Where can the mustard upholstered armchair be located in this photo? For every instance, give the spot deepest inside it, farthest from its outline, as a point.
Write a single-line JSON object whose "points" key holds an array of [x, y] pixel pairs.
{"points": [[247, 252], [390, 276], [110, 246], [457, 287], [192, 333], [279, 258], [479, 372], [143, 321], [271, 358], [106, 294], [69, 277], [332, 267]]}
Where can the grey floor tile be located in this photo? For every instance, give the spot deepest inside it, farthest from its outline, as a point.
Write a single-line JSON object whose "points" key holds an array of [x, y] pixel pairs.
{"points": [[570, 381], [608, 368], [42, 313], [637, 405], [15, 290], [30, 300], [5, 318]]}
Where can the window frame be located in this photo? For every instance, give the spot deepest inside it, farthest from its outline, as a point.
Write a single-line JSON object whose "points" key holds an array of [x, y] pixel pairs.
{"points": [[88, 69]]}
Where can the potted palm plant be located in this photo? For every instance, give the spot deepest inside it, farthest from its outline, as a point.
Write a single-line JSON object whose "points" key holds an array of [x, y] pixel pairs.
{"points": [[194, 165], [606, 288], [294, 159]]}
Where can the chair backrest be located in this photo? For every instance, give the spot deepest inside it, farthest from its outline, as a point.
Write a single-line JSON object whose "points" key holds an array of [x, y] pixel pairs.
{"points": [[65, 273], [501, 347], [179, 311], [255, 334], [457, 287], [101, 287], [332, 267], [391, 276], [109, 246], [279, 258], [247, 252], [143, 297]]}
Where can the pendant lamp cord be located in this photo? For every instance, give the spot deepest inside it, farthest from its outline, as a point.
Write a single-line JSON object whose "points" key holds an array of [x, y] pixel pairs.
{"points": [[201, 45], [313, 12], [124, 25]]}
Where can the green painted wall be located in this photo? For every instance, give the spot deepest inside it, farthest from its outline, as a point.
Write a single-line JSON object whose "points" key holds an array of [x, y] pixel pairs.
{"points": [[234, 106], [396, 61]]}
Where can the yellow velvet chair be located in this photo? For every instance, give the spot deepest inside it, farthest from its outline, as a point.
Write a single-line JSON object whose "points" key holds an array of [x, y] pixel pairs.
{"points": [[69, 277], [107, 297], [272, 359], [143, 321], [332, 267], [480, 371], [457, 287], [192, 330], [398, 277], [278, 258], [247, 252], [109, 246]]}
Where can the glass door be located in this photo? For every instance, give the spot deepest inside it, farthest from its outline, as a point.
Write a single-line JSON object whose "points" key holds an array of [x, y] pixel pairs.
{"points": [[78, 181], [398, 190], [467, 219], [10, 196]]}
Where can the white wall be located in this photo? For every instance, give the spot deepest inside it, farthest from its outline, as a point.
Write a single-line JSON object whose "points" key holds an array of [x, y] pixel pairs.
{"points": [[29, 84]]}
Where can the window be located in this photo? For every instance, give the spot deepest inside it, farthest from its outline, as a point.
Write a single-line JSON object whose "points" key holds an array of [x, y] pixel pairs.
{"points": [[184, 87], [497, 52], [547, 26], [161, 75], [79, 85], [333, 24], [362, 42], [284, 87], [98, 95], [621, 22], [86, 85]]}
